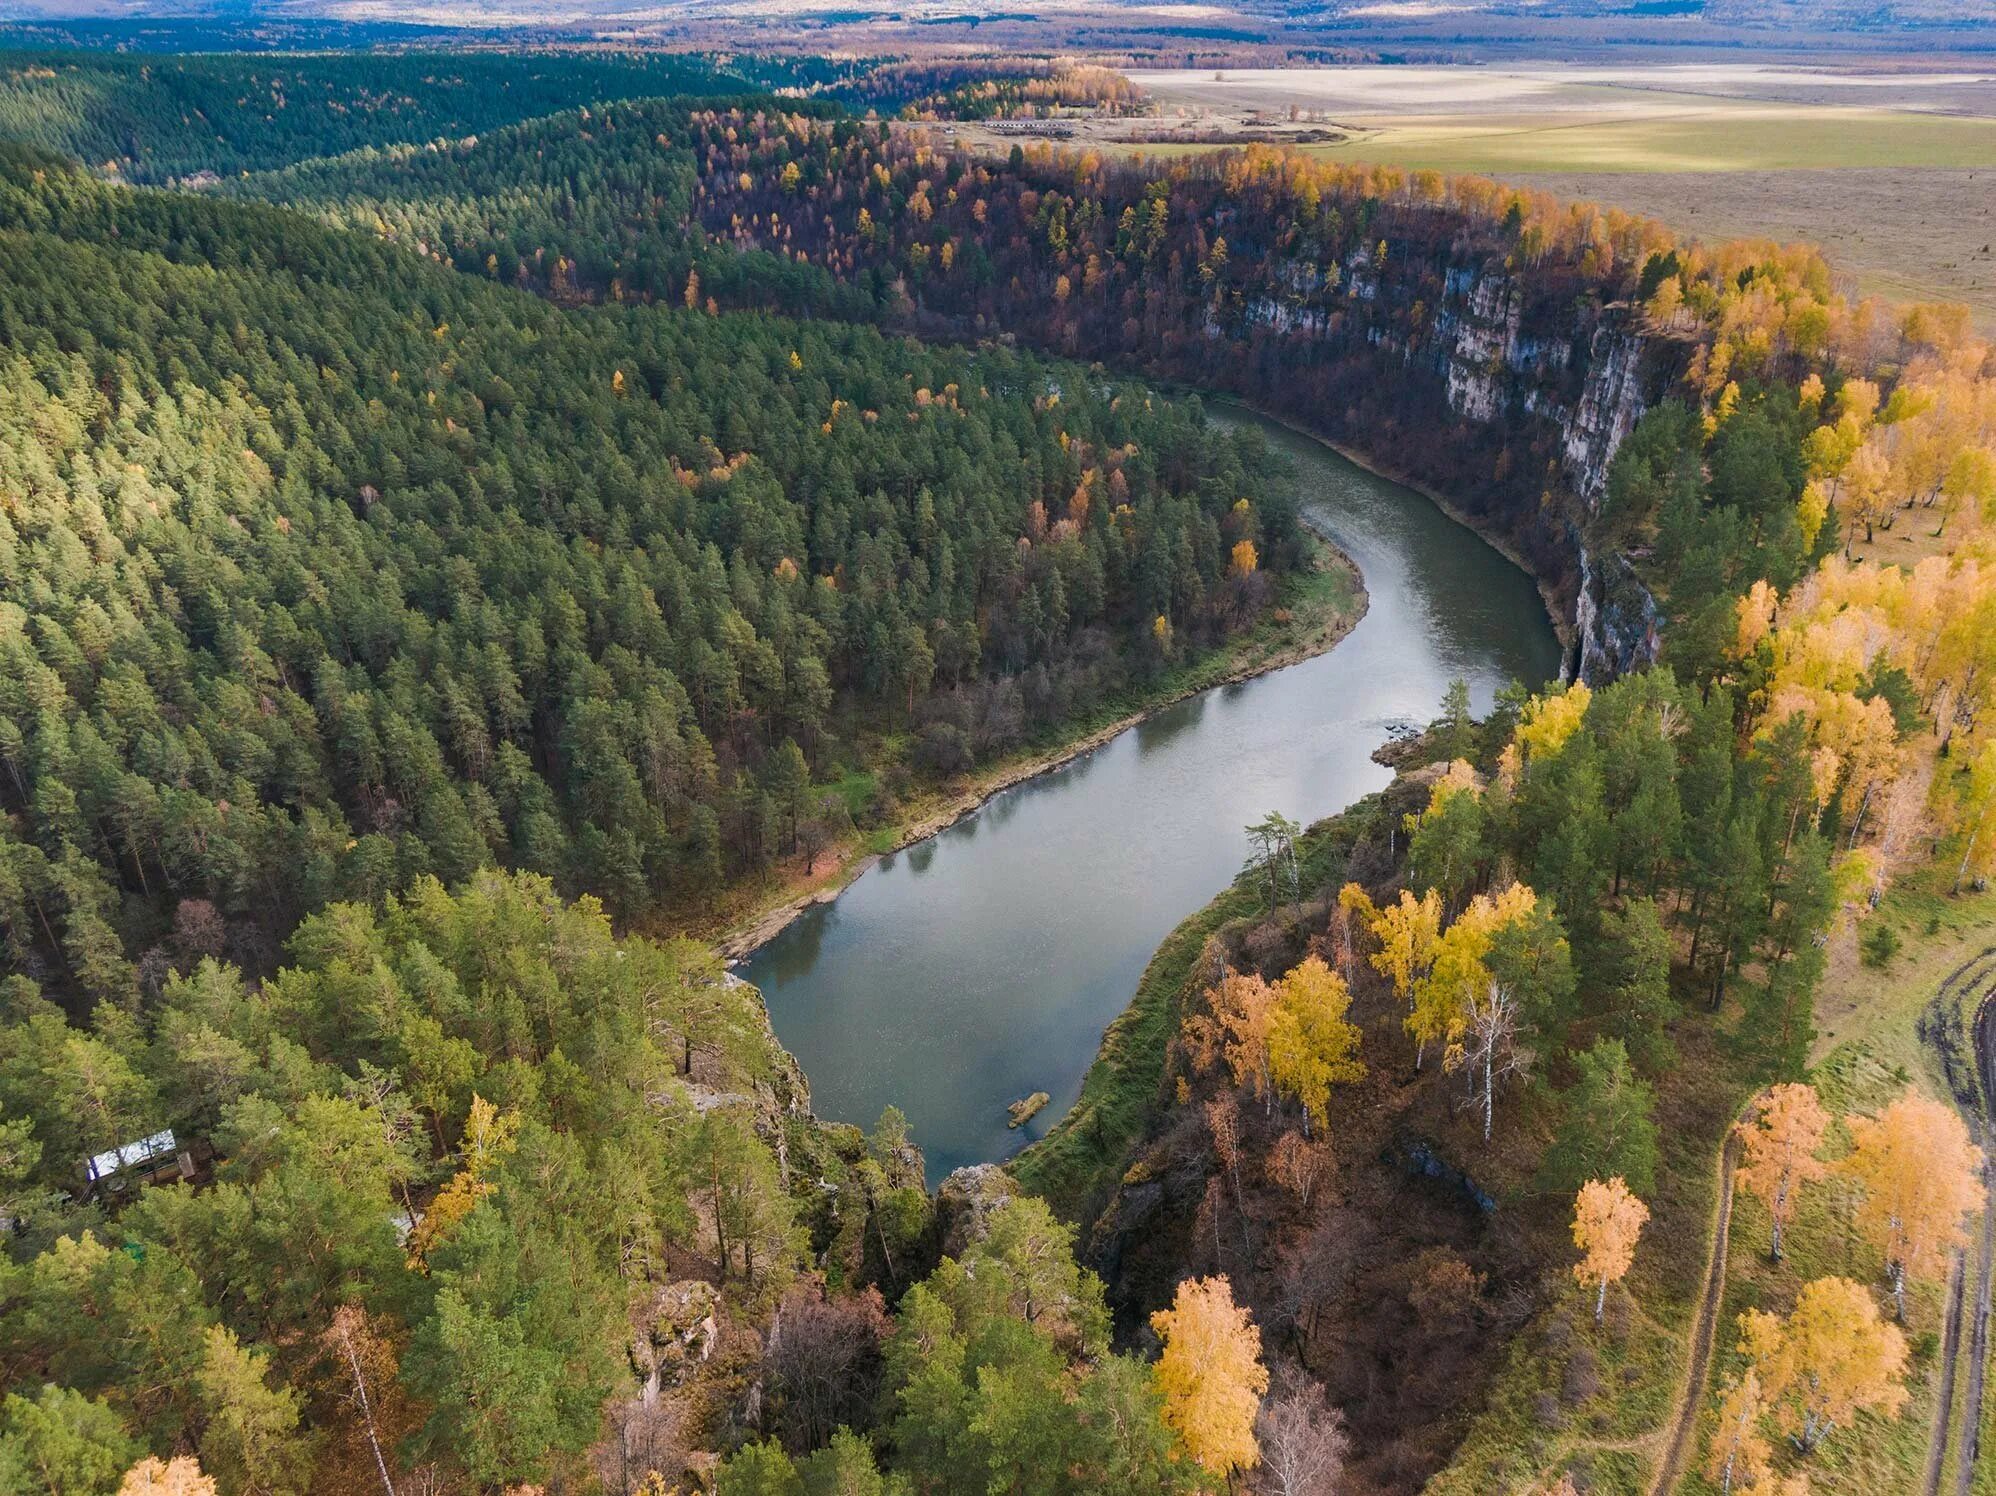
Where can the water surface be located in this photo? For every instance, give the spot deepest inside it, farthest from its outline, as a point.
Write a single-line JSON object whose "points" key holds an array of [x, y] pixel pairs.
{"points": [[983, 964]]}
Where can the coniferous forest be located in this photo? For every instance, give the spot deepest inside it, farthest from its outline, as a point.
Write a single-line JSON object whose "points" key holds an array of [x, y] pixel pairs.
{"points": [[468, 517]]}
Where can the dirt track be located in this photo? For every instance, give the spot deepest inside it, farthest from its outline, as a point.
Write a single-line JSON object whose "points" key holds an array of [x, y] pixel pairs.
{"points": [[1978, 1340], [1970, 989], [1950, 1350], [1671, 1468]]}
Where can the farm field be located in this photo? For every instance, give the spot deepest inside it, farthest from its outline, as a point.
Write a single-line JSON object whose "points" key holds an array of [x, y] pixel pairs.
{"points": [[1893, 174], [1719, 136], [1400, 91], [1907, 233]]}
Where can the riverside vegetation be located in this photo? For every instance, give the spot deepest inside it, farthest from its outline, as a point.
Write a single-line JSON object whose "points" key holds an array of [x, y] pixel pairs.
{"points": [[413, 570]]}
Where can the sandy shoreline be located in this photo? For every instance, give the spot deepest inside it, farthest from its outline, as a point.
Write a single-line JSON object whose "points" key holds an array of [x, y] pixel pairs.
{"points": [[745, 939]]}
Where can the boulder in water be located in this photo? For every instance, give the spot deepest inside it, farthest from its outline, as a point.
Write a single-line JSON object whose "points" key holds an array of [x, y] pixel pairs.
{"points": [[1024, 1111]]}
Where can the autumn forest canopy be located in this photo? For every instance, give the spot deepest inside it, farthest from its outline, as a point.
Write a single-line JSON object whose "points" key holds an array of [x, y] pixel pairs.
{"points": [[468, 518]]}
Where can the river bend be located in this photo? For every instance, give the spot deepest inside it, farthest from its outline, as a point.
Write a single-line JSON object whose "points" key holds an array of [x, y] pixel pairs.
{"points": [[983, 964]]}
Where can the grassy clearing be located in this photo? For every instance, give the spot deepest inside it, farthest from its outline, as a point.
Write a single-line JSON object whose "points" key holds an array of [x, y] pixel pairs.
{"points": [[1877, 1009], [1736, 138], [1876, 1454]]}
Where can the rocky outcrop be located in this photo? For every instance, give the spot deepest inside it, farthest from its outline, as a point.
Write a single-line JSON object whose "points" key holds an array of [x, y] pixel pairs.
{"points": [[674, 1336], [782, 1090], [1026, 1108], [965, 1203], [1616, 623]]}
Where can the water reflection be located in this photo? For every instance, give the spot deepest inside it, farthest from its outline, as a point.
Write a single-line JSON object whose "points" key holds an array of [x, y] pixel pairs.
{"points": [[976, 968], [1157, 732]]}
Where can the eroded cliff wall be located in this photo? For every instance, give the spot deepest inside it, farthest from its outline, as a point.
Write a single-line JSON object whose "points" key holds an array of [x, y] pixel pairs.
{"points": [[1508, 405]]}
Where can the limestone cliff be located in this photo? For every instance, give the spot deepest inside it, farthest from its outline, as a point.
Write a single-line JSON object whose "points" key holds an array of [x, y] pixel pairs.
{"points": [[1509, 401]]}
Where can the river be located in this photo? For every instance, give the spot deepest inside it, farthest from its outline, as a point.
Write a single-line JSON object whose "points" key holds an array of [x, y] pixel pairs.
{"points": [[983, 964]]}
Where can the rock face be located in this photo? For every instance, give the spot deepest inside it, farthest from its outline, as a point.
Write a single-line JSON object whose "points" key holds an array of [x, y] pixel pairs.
{"points": [[676, 1335], [965, 1203], [1588, 376], [1616, 622], [1508, 396], [1611, 402]]}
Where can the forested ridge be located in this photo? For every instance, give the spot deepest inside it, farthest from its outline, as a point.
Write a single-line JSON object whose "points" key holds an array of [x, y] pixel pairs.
{"points": [[361, 611], [402, 573], [1323, 293], [151, 117], [336, 579]]}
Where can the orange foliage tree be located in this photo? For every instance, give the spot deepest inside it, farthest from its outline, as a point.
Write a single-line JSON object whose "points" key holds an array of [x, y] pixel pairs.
{"points": [[1607, 1220], [1779, 1144], [1833, 1356], [1920, 1176]]}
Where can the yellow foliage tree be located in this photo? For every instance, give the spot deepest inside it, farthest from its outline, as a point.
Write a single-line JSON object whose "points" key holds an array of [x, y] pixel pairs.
{"points": [[1970, 483], [1778, 1146], [1756, 617], [1975, 798], [1457, 978], [1548, 721], [489, 1135], [1858, 399], [180, 1476], [1407, 932], [1245, 1007], [1833, 1356], [1607, 1221], [1920, 1176], [1356, 911], [1811, 510], [1311, 1047], [1210, 1374], [1868, 493], [1740, 1452]]}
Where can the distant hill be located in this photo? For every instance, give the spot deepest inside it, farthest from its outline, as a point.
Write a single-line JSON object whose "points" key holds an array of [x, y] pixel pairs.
{"points": [[149, 118], [85, 21]]}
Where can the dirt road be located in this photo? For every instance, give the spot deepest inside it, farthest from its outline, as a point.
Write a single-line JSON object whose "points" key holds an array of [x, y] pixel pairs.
{"points": [[1692, 1395]]}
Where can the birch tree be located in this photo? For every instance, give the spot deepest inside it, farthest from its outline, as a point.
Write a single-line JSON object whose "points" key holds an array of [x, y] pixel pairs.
{"points": [[1607, 1220], [1920, 1177], [1778, 1146], [1831, 1358]]}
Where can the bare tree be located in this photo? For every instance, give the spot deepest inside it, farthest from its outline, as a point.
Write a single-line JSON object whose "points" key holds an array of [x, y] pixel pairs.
{"points": [[821, 1365], [1490, 1047], [647, 1441], [1297, 1164], [1312, 1277], [1302, 1438]]}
